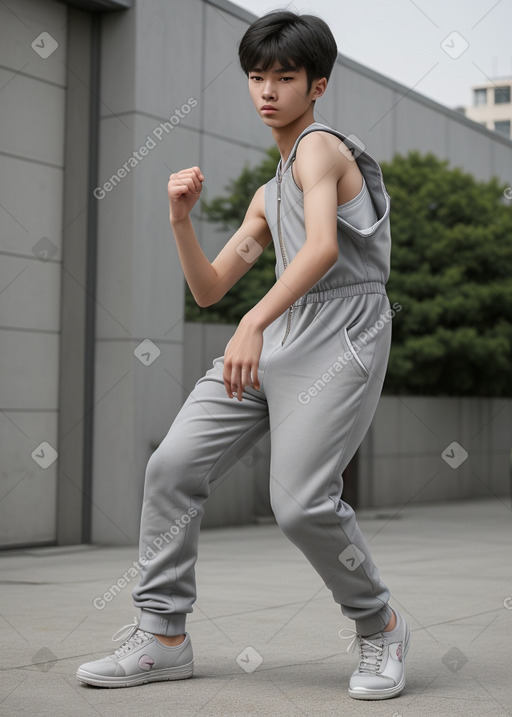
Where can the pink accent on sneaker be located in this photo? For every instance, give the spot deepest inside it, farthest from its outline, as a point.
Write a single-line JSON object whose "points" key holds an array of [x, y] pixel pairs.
{"points": [[146, 663]]}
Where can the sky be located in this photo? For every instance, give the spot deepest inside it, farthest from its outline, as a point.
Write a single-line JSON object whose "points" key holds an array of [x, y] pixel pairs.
{"points": [[411, 41]]}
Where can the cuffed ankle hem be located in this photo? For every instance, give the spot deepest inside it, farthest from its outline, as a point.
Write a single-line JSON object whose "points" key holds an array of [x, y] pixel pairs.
{"points": [[376, 623], [162, 624]]}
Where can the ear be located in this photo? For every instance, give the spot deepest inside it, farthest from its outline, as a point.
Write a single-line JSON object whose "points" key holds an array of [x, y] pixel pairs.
{"points": [[318, 88]]}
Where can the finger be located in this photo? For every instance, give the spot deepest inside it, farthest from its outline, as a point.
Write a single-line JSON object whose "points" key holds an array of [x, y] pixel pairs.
{"points": [[254, 373], [184, 174], [193, 179], [177, 185], [227, 386], [198, 173], [246, 376], [236, 381], [226, 377], [189, 183]]}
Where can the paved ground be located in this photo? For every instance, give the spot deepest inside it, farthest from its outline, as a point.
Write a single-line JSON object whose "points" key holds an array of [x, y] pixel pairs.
{"points": [[448, 567]]}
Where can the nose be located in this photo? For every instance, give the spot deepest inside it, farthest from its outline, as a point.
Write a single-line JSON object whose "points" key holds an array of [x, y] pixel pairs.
{"points": [[268, 90]]}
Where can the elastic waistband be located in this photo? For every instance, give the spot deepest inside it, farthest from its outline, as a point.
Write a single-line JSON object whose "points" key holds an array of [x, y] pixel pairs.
{"points": [[337, 292]]}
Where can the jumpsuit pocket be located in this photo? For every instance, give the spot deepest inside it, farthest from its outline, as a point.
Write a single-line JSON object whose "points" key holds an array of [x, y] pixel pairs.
{"points": [[352, 354]]}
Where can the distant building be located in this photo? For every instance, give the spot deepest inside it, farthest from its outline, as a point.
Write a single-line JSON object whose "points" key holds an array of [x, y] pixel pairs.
{"points": [[492, 105]]}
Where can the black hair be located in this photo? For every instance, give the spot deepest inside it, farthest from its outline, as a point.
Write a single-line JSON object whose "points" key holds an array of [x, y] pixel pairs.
{"points": [[295, 41]]}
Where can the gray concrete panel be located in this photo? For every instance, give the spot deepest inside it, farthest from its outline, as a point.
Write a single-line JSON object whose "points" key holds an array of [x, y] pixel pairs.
{"points": [[470, 150], [363, 107], [419, 127], [21, 229], [30, 360], [134, 219], [34, 283], [228, 108], [28, 505], [501, 162], [24, 24], [147, 62], [169, 41], [27, 132], [118, 60], [409, 436], [134, 406]]}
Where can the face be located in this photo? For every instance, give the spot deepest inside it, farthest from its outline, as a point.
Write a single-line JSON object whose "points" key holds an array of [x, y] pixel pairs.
{"points": [[281, 95]]}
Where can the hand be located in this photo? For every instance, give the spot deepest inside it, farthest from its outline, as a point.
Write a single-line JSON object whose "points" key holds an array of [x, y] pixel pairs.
{"points": [[184, 189], [241, 359]]}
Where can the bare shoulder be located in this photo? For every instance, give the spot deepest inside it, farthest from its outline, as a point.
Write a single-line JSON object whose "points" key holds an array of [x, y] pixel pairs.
{"points": [[320, 153], [257, 205]]}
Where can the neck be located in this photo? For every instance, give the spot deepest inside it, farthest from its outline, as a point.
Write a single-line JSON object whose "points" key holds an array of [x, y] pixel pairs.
{"points": [[285, 137]]}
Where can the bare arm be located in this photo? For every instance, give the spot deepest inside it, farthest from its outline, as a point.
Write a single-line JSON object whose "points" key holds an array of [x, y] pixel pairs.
{"points": [[209, 281]]}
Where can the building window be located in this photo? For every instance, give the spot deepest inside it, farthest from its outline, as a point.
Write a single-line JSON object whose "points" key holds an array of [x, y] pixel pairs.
{"points": [[501, 95], [503, 127], [479, 97]]}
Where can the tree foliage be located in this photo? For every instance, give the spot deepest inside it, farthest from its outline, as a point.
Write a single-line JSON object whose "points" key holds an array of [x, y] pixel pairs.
{"points": [[451, 271], [451, 268]]}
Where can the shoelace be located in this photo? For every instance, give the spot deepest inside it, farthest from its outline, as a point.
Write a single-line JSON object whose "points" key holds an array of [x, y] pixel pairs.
{"points": [[370, 651], [133, 637]]}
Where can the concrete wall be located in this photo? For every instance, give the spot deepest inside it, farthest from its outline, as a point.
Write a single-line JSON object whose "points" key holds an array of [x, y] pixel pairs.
{"points": [[32, 122], [424, 449]]}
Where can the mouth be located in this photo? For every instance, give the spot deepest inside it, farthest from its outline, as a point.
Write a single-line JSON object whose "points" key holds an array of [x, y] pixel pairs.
{"points": [[268, 109]]}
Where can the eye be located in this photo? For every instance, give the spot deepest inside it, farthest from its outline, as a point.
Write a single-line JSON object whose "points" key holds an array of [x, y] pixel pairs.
{"points": [[285, 79], [255, 77]]}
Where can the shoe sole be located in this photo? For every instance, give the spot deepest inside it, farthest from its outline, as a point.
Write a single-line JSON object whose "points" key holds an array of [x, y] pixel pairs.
{"points": [[363, 693], [182, 672]]}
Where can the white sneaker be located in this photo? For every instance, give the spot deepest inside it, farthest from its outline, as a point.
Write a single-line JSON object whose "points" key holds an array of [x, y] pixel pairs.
{"points": [[381, 671], [141, 658]]}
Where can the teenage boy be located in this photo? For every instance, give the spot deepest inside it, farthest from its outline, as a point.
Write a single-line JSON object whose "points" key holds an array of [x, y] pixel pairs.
{"points": [[294, 365]]}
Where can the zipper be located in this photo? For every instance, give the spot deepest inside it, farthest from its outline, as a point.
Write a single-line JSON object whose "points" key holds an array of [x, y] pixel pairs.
{"points": [[283, 252]]}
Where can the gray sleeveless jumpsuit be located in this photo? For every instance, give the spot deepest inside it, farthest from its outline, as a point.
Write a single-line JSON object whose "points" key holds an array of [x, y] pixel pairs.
{"points": [[321, 372]]}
